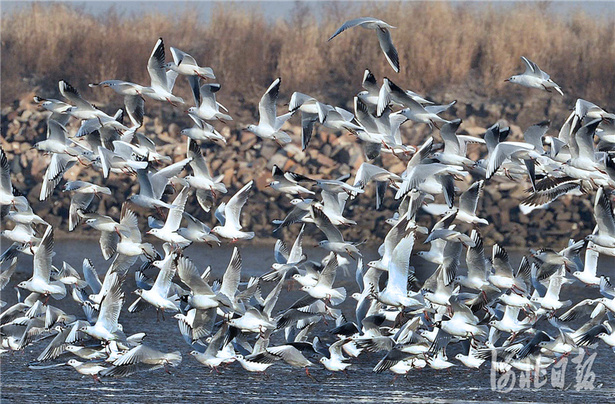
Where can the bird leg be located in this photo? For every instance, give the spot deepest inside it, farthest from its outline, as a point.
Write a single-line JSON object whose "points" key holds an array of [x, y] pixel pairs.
{"points": [[307, 373], [96, 379]]}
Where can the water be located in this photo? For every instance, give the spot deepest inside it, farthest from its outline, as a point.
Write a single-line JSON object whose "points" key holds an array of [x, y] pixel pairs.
{"points": [[193, 382]]}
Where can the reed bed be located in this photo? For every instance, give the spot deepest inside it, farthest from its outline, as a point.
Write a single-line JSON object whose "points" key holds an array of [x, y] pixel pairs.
{"points": [[473, 46]]}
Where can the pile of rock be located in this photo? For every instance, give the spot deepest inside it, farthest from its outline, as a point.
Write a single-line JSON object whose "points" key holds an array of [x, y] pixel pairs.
{"points": [[329, 155]]}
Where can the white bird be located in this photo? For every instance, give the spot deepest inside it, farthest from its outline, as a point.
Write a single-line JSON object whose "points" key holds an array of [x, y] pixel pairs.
{"points": [[202, 131], [152, 185], [228, 214], [80, 109], [40, 280], [6, 186], [323, 289], [533, 77], [336, 361], [157, 296], [107, 327], [162, 81], [603, 213], [335, 241], [288, 182], [384, 36], [396, 291], [87, 368], [308, 106], [414, 111], [168, 232], [269, 124], [207, 187], [588, 274], [197, 231], [207, 108], [185, 64]]}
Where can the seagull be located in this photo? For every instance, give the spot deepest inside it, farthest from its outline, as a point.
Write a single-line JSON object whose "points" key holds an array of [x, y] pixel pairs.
{"points": [[169, 232], [81, 109], [286, 261], [288, 182], [396, 291], [202, 130], [308, 106], [107, 327], [335, 241], [323, 289], [87, 368], [162, 81], [384, 36], [603, 213], [142, 358], [185, 64], [40, 280], [588, 274], [335, 362], [207, 187], [6, 187], [533, 77], [152, 185], [269, 124], [413, 110], [84, 193], [109, 231], [197, 231], [207, 108], [157, 296], [201, 297], [228, 214]]}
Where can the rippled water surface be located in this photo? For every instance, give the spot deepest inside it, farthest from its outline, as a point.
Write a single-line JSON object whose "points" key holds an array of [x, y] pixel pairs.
{"points": [[193, 382]]}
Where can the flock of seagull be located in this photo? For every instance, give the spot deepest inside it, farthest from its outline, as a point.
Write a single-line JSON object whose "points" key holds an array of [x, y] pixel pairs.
{"points": [[519, 315]]}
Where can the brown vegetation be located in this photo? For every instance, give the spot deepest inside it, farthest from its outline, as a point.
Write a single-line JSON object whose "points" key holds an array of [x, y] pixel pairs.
{"points": [[473, 46]]}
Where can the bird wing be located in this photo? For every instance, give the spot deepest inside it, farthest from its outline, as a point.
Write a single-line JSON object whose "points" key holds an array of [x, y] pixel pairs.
{"points": [[198, 163], [267, 104], [400, 262], [503, 151], [603, 212], [468, 201], [156, 66], [232, 210], [70, 93], [231, 277], [111, 304], [475, 257], [353, 23], [166, 274], [530, 67], [43, 255], [175, 215], [189, 275], [160, 179], [386, 44], [296, 252], [57, 167], [91, 276], [324, 224]]}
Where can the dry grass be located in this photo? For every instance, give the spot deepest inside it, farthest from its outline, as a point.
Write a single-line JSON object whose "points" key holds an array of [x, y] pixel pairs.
{"points": [[440, 44]]}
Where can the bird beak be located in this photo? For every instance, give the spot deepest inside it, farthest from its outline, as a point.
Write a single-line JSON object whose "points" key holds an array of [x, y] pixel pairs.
{"points": [[506, 80]]}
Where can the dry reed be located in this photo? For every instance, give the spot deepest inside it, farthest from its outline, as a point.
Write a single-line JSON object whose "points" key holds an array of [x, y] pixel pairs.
{"points": [[441, 44]]}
